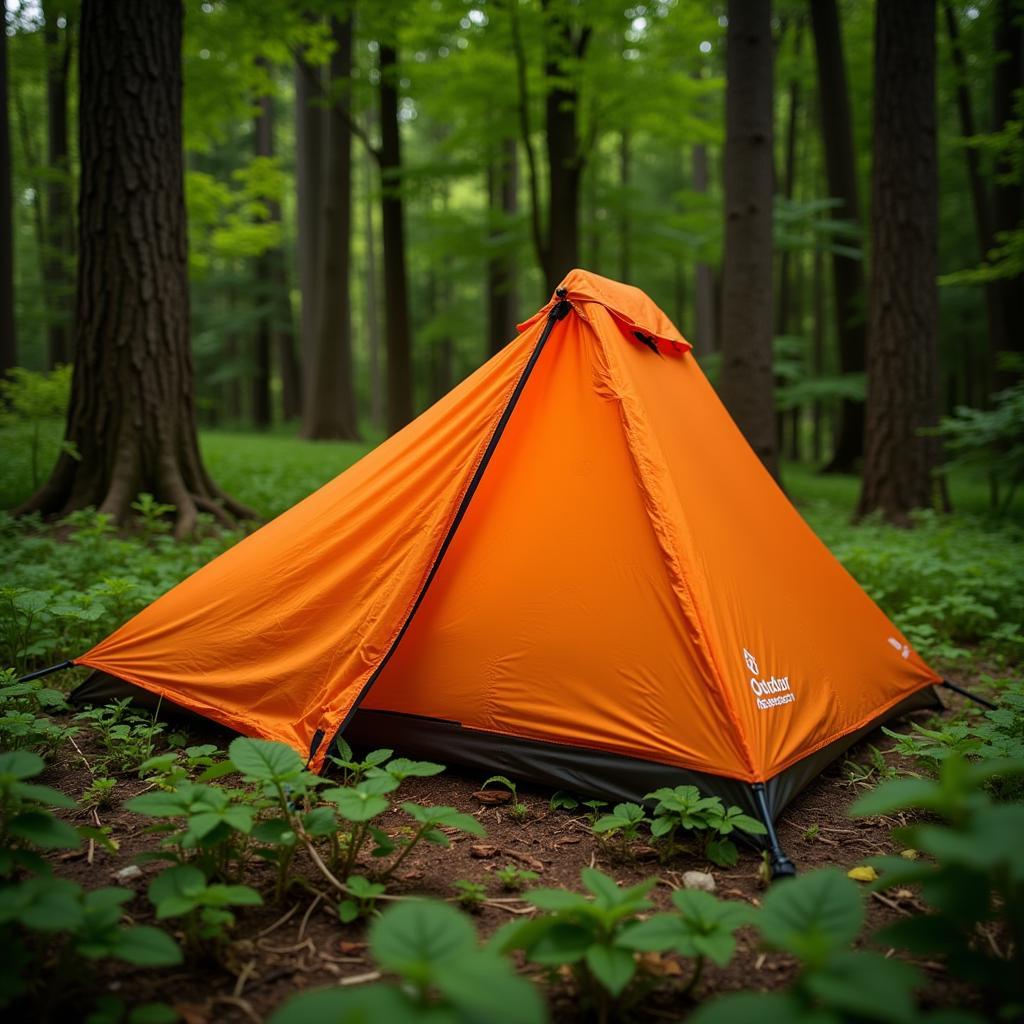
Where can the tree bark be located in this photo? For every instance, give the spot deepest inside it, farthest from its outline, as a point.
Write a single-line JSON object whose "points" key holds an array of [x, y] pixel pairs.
{"points": [[8, 338], [747, 383], [259, 382], [625, 173], [704, 319], [1008, 198], [979, 200], [502, 188], [132, 414], [372, 296], [310, 119], [58, 222], [330, 408], [847, 272], [903, 382], [396, 287]]}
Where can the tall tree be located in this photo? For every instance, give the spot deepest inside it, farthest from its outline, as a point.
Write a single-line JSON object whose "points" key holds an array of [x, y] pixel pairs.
{"points": [[747, 383], [847, 270], [396, 285], [903, 386], [502, 192], [371, 295], [1008, 198], [131, 420], [704, 319], [309, 157], [557, 244], [330, 406], [8, 342], [259, 381], [58, 220]]}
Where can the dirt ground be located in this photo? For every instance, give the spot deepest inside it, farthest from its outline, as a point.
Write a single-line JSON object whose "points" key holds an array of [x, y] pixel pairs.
{"points": [[283, 948]]}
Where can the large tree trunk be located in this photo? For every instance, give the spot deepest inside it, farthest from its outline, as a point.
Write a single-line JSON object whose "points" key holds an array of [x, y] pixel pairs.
{"points": [[310, 119], [1008, 197], [625, 174], [747, 384], [847, 273], [372, 296], [60, 245], [259, 382], [979, 202], [903, 384], [502, 188], [396, 287], [8, 343], [704, 320], [330, 408], [132, 415], [565, 159]]}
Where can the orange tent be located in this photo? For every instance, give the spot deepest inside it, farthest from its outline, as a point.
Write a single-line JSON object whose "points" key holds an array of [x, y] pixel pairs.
{"points": [[572, 568]]}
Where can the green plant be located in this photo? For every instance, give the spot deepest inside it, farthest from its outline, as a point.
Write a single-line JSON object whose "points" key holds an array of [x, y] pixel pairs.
{"points": [[111, 1010], [623, 823], [562, 801], [153, 515], [363, 899], [594, 808], [99, 793], [443, 976], [812, 832], [470, 895], [587, 932], [705, 819], [170, 769], [25, 708], [28, 398], [125, 734], [513, 879], [974, 885], [182, 891], [815, 918], [516, 808], [875, 770], [354, 771]]}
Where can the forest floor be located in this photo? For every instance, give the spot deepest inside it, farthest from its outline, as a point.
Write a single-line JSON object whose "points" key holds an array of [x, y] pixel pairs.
{"points": [[298, 943]]}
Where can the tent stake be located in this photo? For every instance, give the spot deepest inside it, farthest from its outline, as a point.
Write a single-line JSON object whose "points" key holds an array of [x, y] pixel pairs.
{"points": [[782, 866], [967, 693], [46, 671]]}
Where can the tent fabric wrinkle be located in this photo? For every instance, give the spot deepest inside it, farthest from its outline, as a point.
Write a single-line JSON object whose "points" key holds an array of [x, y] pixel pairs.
{"points": [[574, 553]]}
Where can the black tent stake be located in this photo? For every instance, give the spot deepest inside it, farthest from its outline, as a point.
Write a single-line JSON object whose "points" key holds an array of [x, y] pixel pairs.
{"points": [[46, 671], [782, 866]]}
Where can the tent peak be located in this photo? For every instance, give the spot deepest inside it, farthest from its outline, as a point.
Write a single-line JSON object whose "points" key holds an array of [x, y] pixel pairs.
{"points": [[628, 304]]}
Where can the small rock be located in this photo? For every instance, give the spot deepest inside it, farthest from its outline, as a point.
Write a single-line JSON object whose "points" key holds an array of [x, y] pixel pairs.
{"points": [[128, 873], [483, 851], [699, 880], [492, 797]]}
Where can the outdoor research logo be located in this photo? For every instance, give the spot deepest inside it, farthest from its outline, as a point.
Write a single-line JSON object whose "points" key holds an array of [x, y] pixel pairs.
{"points": [[902, 649], [769, 693]]}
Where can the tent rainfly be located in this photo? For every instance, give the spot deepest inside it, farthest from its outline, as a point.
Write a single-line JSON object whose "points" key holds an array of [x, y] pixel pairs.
{"points": [[572, 569]]}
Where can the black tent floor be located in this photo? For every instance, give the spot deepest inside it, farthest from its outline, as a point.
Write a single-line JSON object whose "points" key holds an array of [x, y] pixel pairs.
{"points": [[592, 774]]}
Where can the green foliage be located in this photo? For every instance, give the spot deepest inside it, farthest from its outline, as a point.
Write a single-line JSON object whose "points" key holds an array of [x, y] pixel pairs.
{"points": [[24, 715], [470, 895], [125, 734], [28, 402], [513, 879], [353, 770], [517, 808], [363, 899], [443, 976], [975, 880]]}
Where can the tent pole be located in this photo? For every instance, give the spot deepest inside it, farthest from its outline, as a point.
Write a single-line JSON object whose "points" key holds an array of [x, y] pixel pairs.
{"points": [[782, 866], [967, 693], [46, 671]]}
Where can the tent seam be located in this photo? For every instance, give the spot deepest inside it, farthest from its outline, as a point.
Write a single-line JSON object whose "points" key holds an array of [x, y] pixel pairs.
{"points": [[634, 422]]}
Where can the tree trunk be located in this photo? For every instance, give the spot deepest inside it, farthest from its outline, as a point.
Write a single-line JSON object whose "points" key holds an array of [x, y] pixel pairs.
{"points": [[565, 159], [132, 415], [704, 326], [747, 384], [396, 288], [1008, 198], [979, 199], [310, 119], [372, 295], [502, 188], [330, 408], [60, 245], [625, 268], [8, 341], [903, 382], [847, 273], [818, 352], [262, 417]]}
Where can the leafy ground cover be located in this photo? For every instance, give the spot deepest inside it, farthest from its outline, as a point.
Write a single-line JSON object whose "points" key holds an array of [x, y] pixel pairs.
{"points": [[158, 871]]}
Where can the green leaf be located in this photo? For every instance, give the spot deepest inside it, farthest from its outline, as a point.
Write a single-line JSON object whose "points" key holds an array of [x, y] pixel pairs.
{"points": [[813, 915], [867, 985], [357, 803], [484, 987], [146, 946], [44, 830], [412, 938], [153, 1013], [722, 852], [613, 967], [363, 1004], [764, 1008], [177, 890], [45, 795], [19, 764], [265, 760]]}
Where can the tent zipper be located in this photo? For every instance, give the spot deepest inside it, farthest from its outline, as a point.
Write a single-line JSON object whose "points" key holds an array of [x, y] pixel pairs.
{"points": [[559, 311]]}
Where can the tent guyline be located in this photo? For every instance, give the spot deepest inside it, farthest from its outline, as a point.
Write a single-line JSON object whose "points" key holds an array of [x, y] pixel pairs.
{"points": [[570, 570]]}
